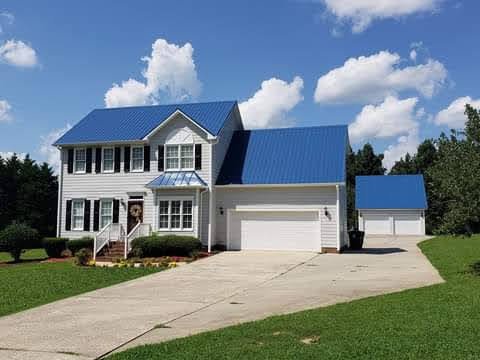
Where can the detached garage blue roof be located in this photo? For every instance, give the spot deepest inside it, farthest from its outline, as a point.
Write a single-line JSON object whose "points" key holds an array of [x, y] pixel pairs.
{"points": [[134, 123], [390, 192], [306, 155]]}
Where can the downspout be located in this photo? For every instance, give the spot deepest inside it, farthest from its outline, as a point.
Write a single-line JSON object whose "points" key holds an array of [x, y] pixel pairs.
{"points": [[60, 194]]}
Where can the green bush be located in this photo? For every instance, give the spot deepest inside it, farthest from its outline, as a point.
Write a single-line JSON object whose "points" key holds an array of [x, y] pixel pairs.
{"points": [[168, 245], [55, 246], [16, 238], [83, 256], [82, 243]]}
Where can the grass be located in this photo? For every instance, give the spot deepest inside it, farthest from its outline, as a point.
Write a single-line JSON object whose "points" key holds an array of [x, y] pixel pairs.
{"points": [[436, 322], [32, 254], [29, 284]]}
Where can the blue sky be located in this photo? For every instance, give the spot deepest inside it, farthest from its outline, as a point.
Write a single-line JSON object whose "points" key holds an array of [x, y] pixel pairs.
{"points": [[268, 55]]}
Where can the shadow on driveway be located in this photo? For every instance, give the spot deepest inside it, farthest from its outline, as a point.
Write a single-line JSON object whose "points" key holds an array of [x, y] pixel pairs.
{"points": [[376, 251]]}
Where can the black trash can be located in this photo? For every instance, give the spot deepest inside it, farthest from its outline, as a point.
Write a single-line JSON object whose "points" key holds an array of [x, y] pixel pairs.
{"points": [[356, 239]]}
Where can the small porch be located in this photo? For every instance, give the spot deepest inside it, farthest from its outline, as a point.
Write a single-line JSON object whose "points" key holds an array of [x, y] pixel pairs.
{"points": [[179, 206]]}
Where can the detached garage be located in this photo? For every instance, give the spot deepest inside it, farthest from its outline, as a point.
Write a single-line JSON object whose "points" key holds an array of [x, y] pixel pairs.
{"points": [[391, 205]]}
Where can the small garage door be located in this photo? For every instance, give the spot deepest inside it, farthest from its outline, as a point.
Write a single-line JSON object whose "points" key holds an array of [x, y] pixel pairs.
{"points": [[274, 230], [377, 224], [407, 224]]}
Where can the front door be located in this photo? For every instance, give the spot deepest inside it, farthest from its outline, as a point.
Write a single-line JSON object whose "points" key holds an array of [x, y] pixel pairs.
{"points": [[135, 214]]}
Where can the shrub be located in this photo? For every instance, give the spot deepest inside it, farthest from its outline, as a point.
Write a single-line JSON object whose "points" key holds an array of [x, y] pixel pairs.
{"points": [[168, 245], [55, 246], [82, 243], [83, 256], [16, 238]]}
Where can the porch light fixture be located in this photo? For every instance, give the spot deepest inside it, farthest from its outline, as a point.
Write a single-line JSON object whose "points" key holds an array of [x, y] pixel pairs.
{"points": [[221, 210], [325, 211]]}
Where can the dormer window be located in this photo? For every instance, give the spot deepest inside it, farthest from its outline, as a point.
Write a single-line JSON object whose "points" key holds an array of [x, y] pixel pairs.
{"points": [[179, 157]]}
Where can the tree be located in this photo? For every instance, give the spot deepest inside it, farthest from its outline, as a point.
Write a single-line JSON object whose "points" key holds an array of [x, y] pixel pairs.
{"points": [[364, 162]]}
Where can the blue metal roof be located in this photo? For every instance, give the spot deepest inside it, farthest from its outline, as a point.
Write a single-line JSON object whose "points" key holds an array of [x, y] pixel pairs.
{"points": [[286, 156], [390, 192], [134, 123], [177, 178]]}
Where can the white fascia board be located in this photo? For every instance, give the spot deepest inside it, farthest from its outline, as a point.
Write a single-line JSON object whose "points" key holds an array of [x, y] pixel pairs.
{"points": [[103, 143], [210, 136], [382, 209], [176, 187], [235, 186]]}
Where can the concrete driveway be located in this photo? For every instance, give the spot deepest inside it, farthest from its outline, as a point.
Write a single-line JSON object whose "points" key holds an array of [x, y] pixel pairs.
{"points": [[223, 290]]}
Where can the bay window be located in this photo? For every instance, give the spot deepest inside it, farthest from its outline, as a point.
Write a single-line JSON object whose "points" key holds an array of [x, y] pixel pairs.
{"points": [[108, 155], [78, 210], [179, 157], [175, 215], [80, 160]]}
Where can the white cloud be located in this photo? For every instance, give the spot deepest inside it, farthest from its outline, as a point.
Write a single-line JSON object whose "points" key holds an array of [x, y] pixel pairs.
{"points": [[361, 13], [390, 118], [170, 75], [369, 79], [5, 114], [50, 154], [6, 18], [454, 116], [9, 154], [269, 106], [405, 144], [413, 55], [17, 53]]}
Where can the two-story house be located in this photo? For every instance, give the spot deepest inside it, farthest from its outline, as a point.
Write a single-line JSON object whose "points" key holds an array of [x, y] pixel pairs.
{"points": [[193, 169]]}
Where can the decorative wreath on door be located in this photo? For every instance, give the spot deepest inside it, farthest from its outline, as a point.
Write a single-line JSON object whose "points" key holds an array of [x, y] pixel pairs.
{"points": [[136, 211]]}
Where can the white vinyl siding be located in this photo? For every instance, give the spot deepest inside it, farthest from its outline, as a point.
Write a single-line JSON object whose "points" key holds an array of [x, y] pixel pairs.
{"points": [[137, 158], [80, 160], [78, 210], [315, 198], [106, 212], [107, 159]]}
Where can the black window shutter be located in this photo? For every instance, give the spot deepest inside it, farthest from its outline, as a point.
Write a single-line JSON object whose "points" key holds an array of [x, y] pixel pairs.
{"points": [[146, 158], [126, 158], [68, 215], [96, 214], [88, 167], [161, 158], [86, 216], [116, 209], [198, 157], [70, 161], [117, 160], [98, 160]]}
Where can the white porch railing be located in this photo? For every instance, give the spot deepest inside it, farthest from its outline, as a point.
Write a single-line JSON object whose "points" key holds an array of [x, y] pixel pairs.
{"points": [[108, 233], [140, 229]]}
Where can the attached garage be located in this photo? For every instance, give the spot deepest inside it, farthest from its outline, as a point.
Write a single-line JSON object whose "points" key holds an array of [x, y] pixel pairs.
{"points": [[391, 205], [274, 230]]}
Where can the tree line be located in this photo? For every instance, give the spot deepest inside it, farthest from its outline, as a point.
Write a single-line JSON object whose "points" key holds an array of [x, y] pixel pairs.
{"points": [[28, 194], [450, 166]]}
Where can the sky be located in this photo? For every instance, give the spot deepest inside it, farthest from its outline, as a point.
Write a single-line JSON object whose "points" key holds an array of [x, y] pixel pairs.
{"points": [[396, 72]]}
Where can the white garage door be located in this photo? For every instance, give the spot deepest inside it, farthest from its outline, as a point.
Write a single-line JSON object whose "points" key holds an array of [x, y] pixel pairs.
{"points": [[377, 224], [274, 230], [407, 224]]}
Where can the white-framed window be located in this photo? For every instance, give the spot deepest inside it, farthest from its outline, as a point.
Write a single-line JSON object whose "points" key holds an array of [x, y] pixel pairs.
{"points": [[80, 160], [137, 158], [106, 212], [179, 157], [108, 156], [175, 215], [78, 211]]}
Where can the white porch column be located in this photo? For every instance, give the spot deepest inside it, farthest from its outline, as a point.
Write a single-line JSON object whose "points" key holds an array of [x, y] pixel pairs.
{"points": [[338, 217]]}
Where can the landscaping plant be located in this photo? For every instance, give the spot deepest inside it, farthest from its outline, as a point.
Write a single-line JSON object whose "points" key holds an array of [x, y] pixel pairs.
{"points": [[168, 245], [85, 242], [55, 246], [83, 257], [15, 238]]}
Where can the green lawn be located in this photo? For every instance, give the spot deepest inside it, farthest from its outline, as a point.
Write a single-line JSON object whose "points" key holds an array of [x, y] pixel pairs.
{"points": [[436, 322], [29, 284]]}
